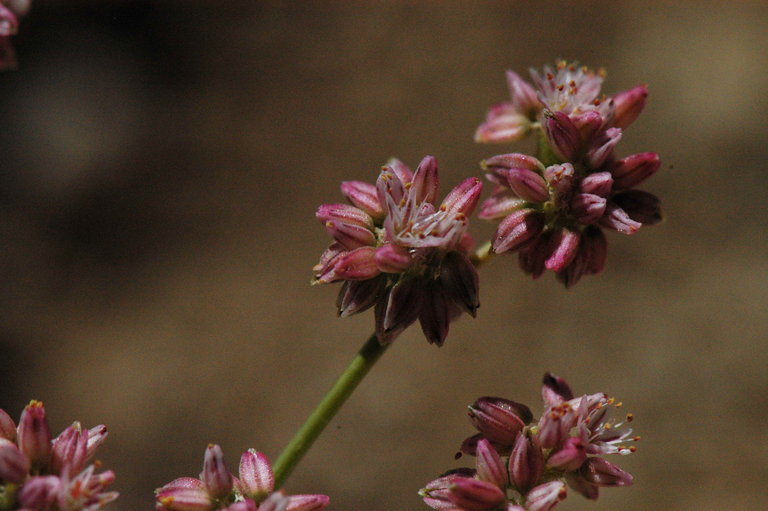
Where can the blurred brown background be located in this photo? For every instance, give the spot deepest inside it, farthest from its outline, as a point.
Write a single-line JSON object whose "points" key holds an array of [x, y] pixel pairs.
{"points": [[161, 163]]}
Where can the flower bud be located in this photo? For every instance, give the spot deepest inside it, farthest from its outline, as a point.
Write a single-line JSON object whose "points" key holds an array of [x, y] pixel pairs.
{"points": [[555, 390], [526, 463], [425, 180], [587, 123], [359, 264], [69, 449], [489, 465], [436, 493], [588, 208], [351, 236], [503, 124], [39, 492], [602, 147], [474, 495], [359, 295], [216, 475], [524, 97], [562, 134], [545, 496], [628, 105], [399, 169], [634, 169], [34, 437], [597, 183], [256, 478], [14, 466], [364, 196], [344, 213], [564, 245], [517, 229], [463, 198], [498, 164], [7, 426], [392, 258], [499, 205], [617, 219], [603, 473], [570, 456], [499, 420], [185, 494], [96, 437], [527, 184], [307, 502], [641, 206]]}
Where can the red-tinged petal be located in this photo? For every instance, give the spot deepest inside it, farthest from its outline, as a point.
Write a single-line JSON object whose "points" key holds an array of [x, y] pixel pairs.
{"points": [[545, 496], [399, 309], [14, 466], [532, 256], [588, 208], [34, 437], [359, 295], [402, 172], [460, 281], [256, 479], [511, 161], [435, 316], [39, 492], [504, 124], [392, 258], [500, 204], [603, 473], [425, 182], [602, 147], [96, 437], [569, 456], [364, 196], [523, 95], [582, 486], [307, 502], [463, 198], [633, 170], [474, 495], [617, 219], [517, 229], [359, 264], [527, 184], [351, 236], [587, 124], [595, 247], [216, 475], [489, 465], [498, 419], [7, 426], [180, 498], [628, 105], [563, 136], [526, 463], [560, 177], [555, 390], [69, 449], [344, 213], [598, 183]]}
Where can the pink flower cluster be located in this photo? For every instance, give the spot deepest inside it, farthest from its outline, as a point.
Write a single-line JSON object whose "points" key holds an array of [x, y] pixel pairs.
{"points": [[396, 249], [526, 465], [10, 12], [44, 474], [217, 488], [552, 208]]}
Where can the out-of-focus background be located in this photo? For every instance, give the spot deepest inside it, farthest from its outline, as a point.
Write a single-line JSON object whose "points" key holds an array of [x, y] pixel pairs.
{"points": [[161, 164]]}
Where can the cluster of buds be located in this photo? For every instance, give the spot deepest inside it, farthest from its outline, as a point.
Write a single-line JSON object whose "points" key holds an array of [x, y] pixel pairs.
{"points": [[10, 12], [552, 208], [526, 465], [217, 488], [396, 250], [38, 473]]}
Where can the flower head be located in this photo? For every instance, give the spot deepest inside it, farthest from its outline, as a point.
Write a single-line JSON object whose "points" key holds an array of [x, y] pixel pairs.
{"points": [[396, 249], [51, 474], [525, 464], [217, 488]]}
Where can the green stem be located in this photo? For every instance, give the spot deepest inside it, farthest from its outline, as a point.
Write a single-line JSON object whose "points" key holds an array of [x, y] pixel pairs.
{"points": [[327, 408], [340, 392]]}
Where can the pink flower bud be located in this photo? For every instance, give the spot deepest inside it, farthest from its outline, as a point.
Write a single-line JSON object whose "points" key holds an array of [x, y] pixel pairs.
{"points": [[185, 494], [602, 147], [436, 494], [564, 245], [364, 196], [634, 169], [628, 105], [474, 495], [216, 475], [425, 182], [343, 213], [256, 479], [463, 198], [602, 473], [39, 492], [359, 295], [359, 264], [351, 236], [400, 170], [504, 123], [598, 183], [499, 420], [588, 208], [34, 437], [307, 502], [502, 162], [14, 466], [489, 465], [587, 123], [617, 219], [500, 204], [562, 134], [526, 463], [570, 456], [96, 437], [460, 281], [555, 390], [392, 258], [517, 229], [545, 496], [641, 206], [524, 97], [7, 426], [527, 184], [70, 449]]}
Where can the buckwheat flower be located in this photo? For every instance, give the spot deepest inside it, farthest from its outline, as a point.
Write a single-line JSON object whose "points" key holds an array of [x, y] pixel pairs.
{"points": [[397, 250], [511, 120], [553, 216], [38, 473], [217, 488]]}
